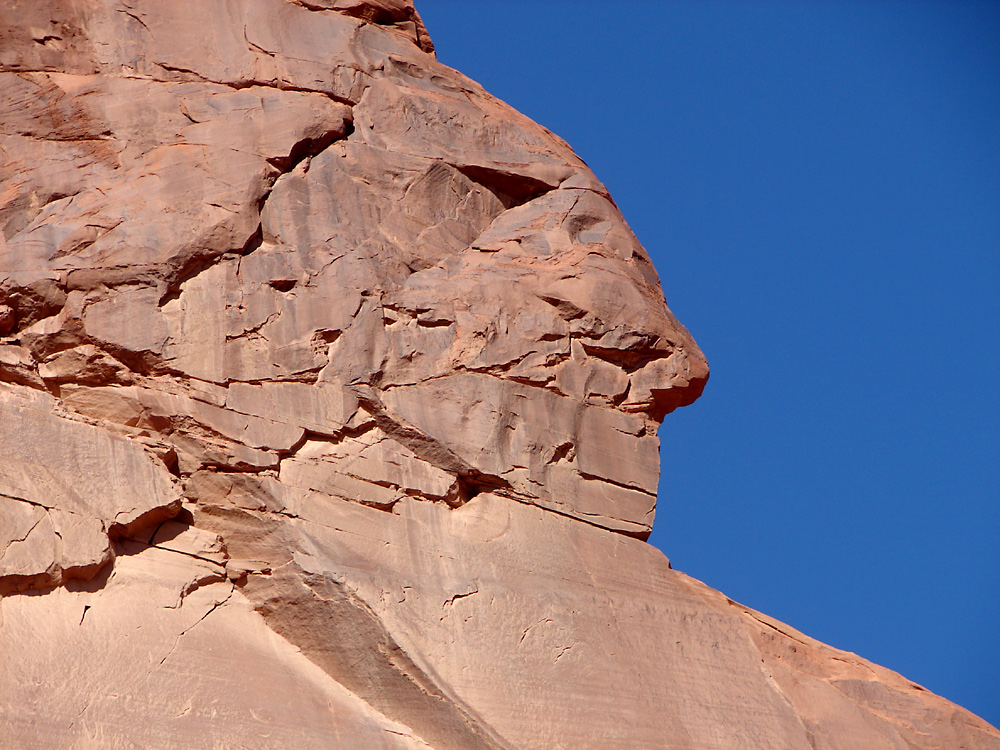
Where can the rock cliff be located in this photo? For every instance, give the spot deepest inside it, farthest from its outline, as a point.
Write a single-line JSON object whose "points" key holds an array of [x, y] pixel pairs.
{"points": [[329, 389]]}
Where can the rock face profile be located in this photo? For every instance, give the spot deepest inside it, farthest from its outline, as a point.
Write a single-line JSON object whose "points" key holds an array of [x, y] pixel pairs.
{"points": [[329, 390]]}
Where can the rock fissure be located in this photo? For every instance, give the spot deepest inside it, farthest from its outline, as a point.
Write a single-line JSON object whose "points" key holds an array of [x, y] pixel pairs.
{"points": [[623, 485], [177, 640]]}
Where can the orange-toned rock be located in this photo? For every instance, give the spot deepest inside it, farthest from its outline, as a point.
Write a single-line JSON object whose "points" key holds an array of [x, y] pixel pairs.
{"points": [[329, 389]]}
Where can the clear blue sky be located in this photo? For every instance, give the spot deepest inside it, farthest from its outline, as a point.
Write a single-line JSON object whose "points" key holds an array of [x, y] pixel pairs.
{"points": [[818, 184]]}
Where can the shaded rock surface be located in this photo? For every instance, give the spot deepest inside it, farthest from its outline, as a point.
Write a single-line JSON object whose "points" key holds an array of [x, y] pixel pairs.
{"points": [[329, 389]]}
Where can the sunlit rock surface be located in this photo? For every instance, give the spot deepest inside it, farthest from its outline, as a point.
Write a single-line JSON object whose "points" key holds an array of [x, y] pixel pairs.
{"points": [[329, 388]]}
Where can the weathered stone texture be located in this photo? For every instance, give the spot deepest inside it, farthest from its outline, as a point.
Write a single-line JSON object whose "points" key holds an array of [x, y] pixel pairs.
{"points": [[329, 389]]}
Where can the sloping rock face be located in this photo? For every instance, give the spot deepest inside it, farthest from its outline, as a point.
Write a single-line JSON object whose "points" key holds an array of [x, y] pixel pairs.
{"points": [[329, 389]]}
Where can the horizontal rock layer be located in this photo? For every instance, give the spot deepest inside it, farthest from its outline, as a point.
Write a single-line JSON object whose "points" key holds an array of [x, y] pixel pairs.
{"points": [[329, 391]]}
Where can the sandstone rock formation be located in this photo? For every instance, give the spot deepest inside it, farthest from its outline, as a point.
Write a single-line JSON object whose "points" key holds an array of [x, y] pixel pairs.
{"points": [[329, 388]]}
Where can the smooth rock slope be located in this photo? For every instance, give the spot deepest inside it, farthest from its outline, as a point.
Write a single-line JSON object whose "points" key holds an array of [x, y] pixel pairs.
{"points": [[329, 388]]}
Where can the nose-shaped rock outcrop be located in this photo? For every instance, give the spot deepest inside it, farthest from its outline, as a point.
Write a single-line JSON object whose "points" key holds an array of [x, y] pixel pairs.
{"points": [[387, 234], [329, 389]]}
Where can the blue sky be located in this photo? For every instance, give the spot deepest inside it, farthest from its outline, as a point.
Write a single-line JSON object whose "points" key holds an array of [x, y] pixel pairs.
{"points": [[818, 184]]}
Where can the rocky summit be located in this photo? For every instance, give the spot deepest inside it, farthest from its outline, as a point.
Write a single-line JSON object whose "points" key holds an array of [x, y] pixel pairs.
{"points": [[329, 392]]}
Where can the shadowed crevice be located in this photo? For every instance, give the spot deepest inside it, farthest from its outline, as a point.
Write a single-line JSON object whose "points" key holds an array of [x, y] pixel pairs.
{"points": [[510, 188]]}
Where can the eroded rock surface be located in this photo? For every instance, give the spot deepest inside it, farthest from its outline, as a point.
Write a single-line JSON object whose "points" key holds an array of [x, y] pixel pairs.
{"points": [[329, 389]]}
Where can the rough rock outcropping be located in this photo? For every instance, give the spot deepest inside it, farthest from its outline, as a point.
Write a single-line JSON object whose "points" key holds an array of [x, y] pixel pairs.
{"points": [[329, 389]]}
